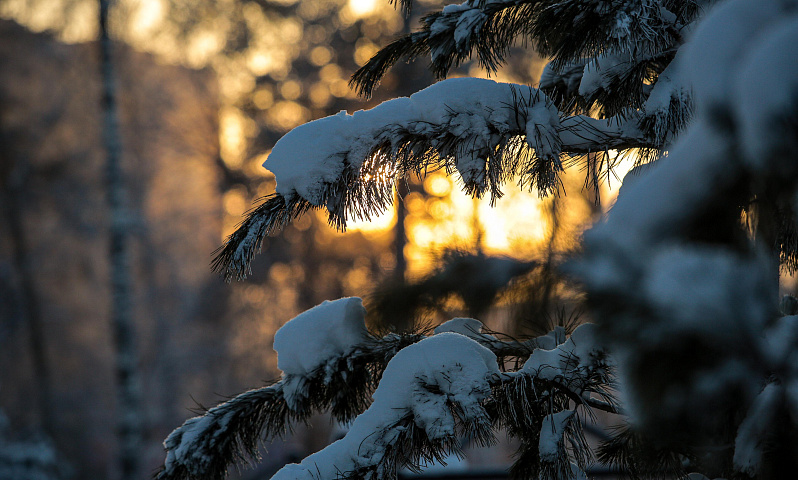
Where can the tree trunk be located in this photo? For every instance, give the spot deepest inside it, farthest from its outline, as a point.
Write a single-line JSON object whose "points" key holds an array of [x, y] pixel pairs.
{"points": [[399, 234], [14, 188], [128, 394]]}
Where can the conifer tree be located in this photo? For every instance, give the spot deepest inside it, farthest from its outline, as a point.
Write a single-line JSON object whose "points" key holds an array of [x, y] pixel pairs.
{"points": [[682, 290]]}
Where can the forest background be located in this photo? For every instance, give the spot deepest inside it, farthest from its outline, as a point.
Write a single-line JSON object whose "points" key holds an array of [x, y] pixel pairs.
{"points": [[205, 90]]}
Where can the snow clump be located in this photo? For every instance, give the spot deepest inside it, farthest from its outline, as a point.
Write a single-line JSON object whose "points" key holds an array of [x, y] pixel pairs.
{"points": [[313, 338], [418, 386]]}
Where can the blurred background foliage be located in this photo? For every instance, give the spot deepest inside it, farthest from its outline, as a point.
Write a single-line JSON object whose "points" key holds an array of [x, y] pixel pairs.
{"points": [[206, 89]]}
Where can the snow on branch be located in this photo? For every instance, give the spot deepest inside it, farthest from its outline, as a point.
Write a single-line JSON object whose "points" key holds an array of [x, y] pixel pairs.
{"points": [[567, 30], [430, 394], [488, 132], [530, 404], [448, 386], [337, 371], [673, 275], [432, 391], [668, 107], [618, 85]]}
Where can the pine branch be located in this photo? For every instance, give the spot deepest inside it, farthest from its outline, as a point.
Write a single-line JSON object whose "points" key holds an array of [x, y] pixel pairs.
{"points": [[368, 77], [668, 108], [234, 257], [663, 125], [430, 395], [551, 382], [204, 447], [451, 37], [410, 448], [565, 30], [569, 30], [230, 433], [628, 451], [486, 131]]}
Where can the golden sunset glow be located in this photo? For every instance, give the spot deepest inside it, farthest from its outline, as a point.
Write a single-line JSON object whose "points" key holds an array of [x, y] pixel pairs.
{"points": [[362, 8], [611, 187], [439, 214], [380, 223], [447, 217]]}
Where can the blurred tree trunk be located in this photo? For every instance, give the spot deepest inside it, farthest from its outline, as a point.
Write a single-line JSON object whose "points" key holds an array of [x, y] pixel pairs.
{"points": [[400, 236], [14, 181], [129, 417], [403, 70]]}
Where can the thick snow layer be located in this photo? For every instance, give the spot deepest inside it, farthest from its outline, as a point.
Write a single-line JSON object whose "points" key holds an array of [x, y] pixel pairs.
{"points": [[713, 50], [766, 93], [316, 154], [419, 383], [315, 336]]}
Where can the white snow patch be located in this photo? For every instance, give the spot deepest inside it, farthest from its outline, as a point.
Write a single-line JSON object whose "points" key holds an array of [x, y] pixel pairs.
{"points": [[551, 435], [313, 337], [766, 93], [714, 49], [316, 154], [458, 366], [578, 351]]}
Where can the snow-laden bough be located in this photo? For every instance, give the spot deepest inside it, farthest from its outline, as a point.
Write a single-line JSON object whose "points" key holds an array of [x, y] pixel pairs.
{"points": [[488, 132]]}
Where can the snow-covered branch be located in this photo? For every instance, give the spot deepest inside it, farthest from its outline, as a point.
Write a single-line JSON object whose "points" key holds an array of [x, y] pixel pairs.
{"points": [[448, 386], [674, 276], [552, 385], [432, 390], [568, 30], [486, 131], [619, 85], [430, 394], [336, 369]]}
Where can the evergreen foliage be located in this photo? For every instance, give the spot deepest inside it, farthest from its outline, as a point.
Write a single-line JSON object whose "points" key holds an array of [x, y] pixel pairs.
{"points": [[683, 292]]}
